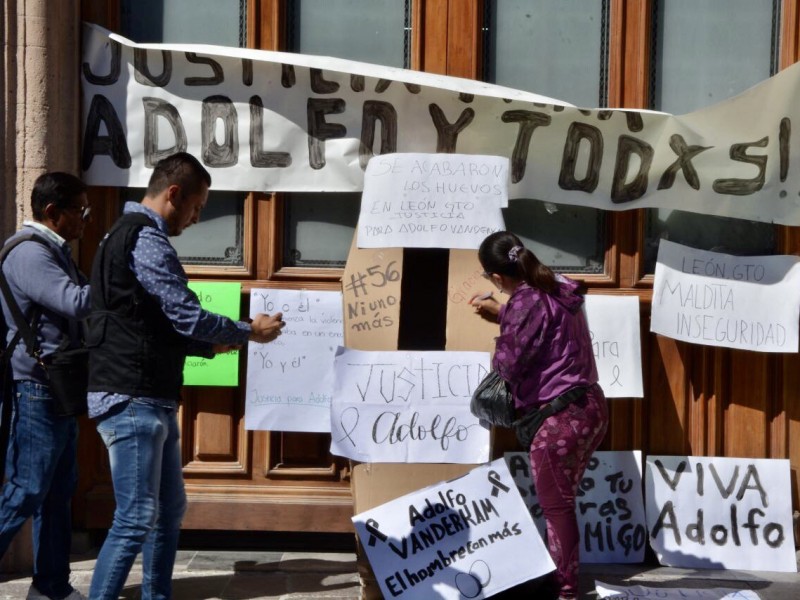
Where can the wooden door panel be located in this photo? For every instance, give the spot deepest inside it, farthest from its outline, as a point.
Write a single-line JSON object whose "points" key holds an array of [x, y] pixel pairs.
{"points": [[212, 432], [295, 455], [707, 388], [624, 427], [269, 512], [746, 427], [786, 440], [666, 411]]}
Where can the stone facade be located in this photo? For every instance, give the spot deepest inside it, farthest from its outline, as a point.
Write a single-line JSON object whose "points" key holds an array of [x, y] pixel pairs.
{"points": [[40, 116], [41, 108]]}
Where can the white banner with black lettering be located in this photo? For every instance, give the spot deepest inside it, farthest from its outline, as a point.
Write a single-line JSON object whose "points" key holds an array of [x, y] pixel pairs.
{"points": [[641, 592], [471, 537], [609, 505], [744, 302], [272, 121], [720, 513], [407, 406]]}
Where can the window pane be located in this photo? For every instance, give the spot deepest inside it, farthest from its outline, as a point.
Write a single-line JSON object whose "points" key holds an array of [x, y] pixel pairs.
{"points": [[374, 31], [218, 239], [556, 48], [565, 238], [718, 234], [572, 35], [319, 228], [709, 51], [706, 52], [219, 22]]}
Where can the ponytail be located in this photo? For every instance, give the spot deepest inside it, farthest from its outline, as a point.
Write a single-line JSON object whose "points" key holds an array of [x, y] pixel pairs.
{"points": [[502, 252], [535, 273]]}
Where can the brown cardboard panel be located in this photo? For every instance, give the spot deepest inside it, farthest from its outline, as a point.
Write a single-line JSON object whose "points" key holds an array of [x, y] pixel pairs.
{"points": [[374, 484], [465, 329], [371, 297]]}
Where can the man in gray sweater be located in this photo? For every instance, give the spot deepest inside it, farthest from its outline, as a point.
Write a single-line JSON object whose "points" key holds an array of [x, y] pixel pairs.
{"points": [[41, 467]]}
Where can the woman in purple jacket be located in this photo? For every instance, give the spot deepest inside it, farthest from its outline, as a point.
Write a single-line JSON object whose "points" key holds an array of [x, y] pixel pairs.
{"points": [[544, 352]]}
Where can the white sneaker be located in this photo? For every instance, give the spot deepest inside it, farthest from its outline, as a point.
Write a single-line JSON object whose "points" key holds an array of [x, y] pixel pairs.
{"points": [[34, 594]]}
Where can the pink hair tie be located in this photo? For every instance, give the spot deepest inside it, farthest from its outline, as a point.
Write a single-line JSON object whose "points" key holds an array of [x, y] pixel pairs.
{"points": [[513, 254]]}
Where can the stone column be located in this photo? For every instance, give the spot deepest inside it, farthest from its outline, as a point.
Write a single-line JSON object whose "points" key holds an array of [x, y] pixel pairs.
{"points": [[41, 108], [40, 116]]}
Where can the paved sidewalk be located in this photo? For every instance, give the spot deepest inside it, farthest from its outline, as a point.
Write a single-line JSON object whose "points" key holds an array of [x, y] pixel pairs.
{"points": [[276, 575]]}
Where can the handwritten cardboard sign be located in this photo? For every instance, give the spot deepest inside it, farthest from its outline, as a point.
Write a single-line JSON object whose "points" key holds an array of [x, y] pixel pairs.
{"points": [[371, 286], [291, 122], [609, 505], [616, 344], [407, 406], [720, 513], [432, 200], [465, 329], [746, 302], [471, 537], [290, 380], [223, 370]]}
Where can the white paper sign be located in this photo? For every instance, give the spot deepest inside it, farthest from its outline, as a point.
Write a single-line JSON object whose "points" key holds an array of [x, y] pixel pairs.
{"points": [[720, 513], [616, 344], [609, 505], [746, 302], [273, 121], [432, 200], [467, 538], [408, 407], [290, 380], [641, 592]]}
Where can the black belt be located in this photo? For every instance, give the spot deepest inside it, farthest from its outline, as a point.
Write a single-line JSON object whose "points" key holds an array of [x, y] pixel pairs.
{"points": [[561, 402], [528, 424]]}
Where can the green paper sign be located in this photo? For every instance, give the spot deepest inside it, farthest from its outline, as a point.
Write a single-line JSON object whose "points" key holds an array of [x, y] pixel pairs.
{"points": [[223, 369]]}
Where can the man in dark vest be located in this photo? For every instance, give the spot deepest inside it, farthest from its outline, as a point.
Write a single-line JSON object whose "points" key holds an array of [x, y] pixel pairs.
{"points": [[41, 469], [145, 321]]}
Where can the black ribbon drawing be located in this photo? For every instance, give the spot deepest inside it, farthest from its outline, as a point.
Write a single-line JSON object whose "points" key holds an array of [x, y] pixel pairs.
{"points": [[497, 485]]}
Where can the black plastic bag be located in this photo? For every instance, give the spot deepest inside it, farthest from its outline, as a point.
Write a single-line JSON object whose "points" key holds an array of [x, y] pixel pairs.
{"points": [[492, 401]]}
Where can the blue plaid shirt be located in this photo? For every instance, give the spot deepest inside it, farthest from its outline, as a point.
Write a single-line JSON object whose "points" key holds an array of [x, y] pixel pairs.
{"points": [[155, 264]]}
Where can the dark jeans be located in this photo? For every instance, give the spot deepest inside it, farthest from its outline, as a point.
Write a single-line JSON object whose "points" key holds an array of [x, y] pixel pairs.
{"points": [[41, 478]]}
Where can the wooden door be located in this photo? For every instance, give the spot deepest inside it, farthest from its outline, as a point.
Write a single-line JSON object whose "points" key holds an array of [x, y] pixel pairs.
{"points": [[698, 400]]}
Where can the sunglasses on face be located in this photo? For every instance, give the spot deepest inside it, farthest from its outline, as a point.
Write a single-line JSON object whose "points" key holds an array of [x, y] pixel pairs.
{"points": [[84, 211]]}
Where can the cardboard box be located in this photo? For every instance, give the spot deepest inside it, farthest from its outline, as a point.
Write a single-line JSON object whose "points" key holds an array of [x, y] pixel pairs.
{"points": [[374, 484], [371, 295]]}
